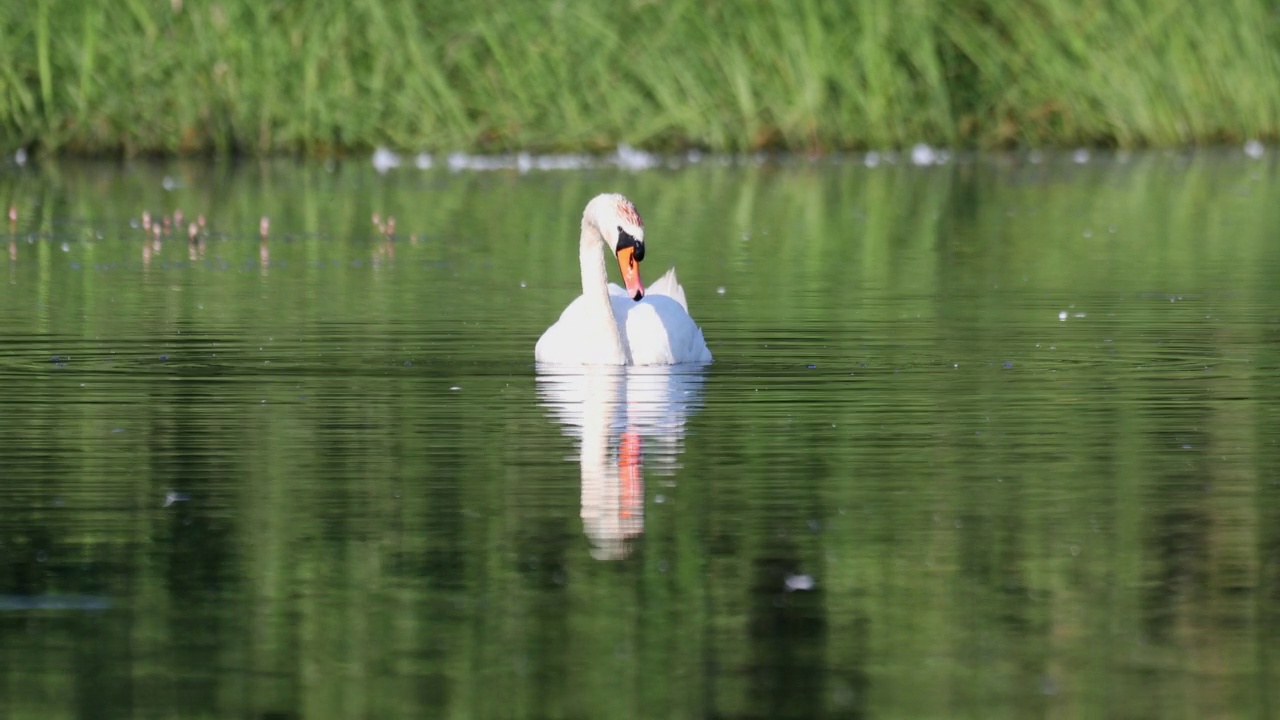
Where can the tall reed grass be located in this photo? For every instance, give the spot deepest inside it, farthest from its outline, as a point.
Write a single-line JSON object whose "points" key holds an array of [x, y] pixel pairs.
{"points": [[323, 77]]}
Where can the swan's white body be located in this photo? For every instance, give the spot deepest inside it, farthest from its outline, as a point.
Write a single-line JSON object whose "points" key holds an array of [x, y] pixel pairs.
{"points": [[604, 325]]}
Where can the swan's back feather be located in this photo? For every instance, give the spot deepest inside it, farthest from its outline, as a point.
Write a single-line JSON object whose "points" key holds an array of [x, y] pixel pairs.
{"points": [[669, 286]]}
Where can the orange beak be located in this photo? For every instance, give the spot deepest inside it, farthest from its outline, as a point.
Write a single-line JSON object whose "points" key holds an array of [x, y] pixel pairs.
{"points": [[630, 272]]}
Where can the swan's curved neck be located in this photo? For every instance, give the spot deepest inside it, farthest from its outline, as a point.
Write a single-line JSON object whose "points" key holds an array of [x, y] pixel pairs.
{"points": [[595, 289]]}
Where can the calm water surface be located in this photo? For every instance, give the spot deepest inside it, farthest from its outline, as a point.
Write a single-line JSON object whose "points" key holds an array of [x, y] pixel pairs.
{"points": [[991, 439]]}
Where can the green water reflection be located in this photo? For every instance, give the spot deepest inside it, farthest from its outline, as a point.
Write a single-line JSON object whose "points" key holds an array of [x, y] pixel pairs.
{"points": [[990, 439]]}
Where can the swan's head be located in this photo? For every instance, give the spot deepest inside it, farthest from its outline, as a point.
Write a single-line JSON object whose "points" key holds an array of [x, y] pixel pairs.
{"points": [[623, 231]]}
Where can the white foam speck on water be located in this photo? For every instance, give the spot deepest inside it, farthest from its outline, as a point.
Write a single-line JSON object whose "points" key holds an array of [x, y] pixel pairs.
{"points": [[175, 497], [799, 582], [720, 290], [1254, 149], [629, 158], [424, 161], [871, 159], [1080, 156], [384, 160], [922, 154], [20, 156], [560, 162], [1062, 315], [626, 158], [520, 162], [465, 161]]}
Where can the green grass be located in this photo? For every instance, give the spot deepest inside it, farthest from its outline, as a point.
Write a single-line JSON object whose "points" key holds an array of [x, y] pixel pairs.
{"points": [[325, 77]]}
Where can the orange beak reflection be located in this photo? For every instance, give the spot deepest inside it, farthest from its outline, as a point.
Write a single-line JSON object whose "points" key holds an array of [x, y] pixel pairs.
{"points": [[630, 272]]}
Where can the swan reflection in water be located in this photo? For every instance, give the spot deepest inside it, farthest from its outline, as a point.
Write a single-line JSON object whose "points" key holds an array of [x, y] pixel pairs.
{"points": [[629, 422]]}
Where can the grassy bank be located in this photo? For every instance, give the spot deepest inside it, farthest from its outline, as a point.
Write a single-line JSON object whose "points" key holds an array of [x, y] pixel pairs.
{"points": [[244, 76]]}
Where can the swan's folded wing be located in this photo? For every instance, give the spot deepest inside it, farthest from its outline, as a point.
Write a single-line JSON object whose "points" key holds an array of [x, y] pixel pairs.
{"points": [[659, 331], [669, 286]]}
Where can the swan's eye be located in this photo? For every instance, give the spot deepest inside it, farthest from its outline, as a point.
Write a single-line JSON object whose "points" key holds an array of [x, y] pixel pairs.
{"points": [[625, 240]]}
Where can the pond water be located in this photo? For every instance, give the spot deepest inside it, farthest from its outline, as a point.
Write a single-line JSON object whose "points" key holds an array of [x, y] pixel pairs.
{"points": [[993, 438]]}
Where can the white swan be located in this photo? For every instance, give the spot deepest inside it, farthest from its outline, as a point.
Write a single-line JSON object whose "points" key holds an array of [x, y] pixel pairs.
{"points": [[607, 325]]}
